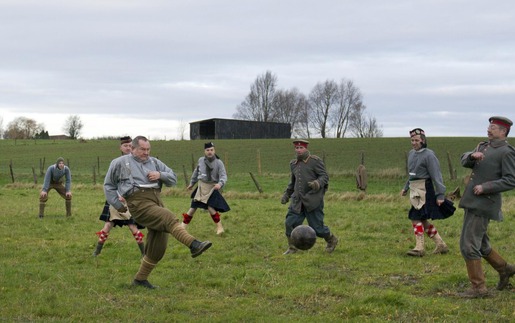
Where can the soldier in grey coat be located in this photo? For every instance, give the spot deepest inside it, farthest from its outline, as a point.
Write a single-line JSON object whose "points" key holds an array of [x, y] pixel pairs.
{"points": [[307, 187], [493, 172]]}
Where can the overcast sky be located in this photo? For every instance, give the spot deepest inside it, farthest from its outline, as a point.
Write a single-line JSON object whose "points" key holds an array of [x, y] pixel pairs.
{"points": [[150, 67]]}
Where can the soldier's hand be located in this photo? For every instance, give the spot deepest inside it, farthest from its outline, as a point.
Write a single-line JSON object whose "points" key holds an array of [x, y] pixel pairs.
{"points": [[314, 185], [123, 209], [285, 199]]}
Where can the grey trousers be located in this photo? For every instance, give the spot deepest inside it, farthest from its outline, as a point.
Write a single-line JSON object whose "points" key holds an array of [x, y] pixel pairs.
{"points": [[474, 240]]}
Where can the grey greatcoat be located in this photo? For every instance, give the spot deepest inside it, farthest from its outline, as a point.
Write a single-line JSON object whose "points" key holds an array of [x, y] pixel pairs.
{"points": [[302, 172], [496, 173]]}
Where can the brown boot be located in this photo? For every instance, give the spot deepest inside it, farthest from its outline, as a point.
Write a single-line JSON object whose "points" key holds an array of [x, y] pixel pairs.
{"points": [[418, 251], [291, 248], [477, 279], [441, 247], [504, 269]]}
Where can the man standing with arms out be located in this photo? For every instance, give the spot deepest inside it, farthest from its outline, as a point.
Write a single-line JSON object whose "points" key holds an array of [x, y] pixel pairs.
{"points": [[139, 178], [211, 177], [493, 172], [53, 177], [113, 218], [307, 187]]}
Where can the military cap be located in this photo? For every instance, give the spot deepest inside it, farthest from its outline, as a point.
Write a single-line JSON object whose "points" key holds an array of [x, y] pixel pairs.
{"points": [[208, 145], [417, 131], [502, 121], [301, 142]]}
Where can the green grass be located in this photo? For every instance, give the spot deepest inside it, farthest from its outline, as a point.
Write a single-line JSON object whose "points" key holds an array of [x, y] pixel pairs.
{"points": [[47, 273]]}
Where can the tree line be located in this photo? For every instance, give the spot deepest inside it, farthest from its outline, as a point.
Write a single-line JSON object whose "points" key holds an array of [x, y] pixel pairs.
{"points": [[331, 109], [26, 128]]}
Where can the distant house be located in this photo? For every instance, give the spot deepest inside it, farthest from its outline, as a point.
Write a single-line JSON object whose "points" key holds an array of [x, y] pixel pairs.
{"points": [[58, 137], [238, 129]]}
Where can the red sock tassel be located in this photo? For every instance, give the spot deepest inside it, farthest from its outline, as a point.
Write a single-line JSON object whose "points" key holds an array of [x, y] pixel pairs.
{"points": [[102, 236], [138, 236], [186, 218], [216, 217], [431, 231]]}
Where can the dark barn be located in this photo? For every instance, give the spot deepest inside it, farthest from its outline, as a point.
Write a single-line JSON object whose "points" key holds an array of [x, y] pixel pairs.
{"points": [[238, 129]]}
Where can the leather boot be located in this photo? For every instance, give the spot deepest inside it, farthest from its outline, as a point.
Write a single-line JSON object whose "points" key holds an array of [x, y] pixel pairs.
{"points": [[68, 204], [291, 248], [197, 247], [418, 251], [504, 269], [477, 279], [441, 247], [332, 241], [98, 249]]}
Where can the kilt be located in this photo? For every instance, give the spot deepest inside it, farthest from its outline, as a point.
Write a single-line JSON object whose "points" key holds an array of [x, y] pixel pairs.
{"points": [[216, 201], [430, 210]]}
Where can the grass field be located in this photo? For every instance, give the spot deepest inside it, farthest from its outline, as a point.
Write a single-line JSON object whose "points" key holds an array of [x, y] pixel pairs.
{"points": [[48, 274]]}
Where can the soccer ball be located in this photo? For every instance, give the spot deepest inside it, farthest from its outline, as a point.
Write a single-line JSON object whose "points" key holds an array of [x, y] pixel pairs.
{"points": [[303, 237]]}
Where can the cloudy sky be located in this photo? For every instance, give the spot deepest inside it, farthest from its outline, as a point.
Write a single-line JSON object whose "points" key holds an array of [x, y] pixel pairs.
{"points": [[151, 67]]}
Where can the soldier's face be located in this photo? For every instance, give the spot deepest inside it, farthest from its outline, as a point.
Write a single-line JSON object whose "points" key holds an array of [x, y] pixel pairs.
{"points": [[142, 151], [299, 150], [126, 148], [209, 152], [416, 142], [60, 165], [495, 131]]}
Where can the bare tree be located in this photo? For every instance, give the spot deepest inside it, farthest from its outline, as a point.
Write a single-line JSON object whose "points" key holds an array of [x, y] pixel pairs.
{"points": [[22, 128], [290, 107], [364, 126], [323, 98], [73, 126], [182, 129], [1, 127], [349, 98], [259, 103]]}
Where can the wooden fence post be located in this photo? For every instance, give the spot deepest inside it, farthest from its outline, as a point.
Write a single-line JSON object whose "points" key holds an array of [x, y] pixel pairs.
{"points": [[34, 175], [192, 163], [185, 176], [259, 161], [11, 170], [451, 170], [256, 183]]}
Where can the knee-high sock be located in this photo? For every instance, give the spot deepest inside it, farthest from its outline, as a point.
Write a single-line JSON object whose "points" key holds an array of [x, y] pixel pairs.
{"points": [[146, 267], [179, 233]]}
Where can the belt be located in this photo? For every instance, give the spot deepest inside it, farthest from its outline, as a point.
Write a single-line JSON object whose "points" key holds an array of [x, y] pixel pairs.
{"points": [[144, 189]]}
